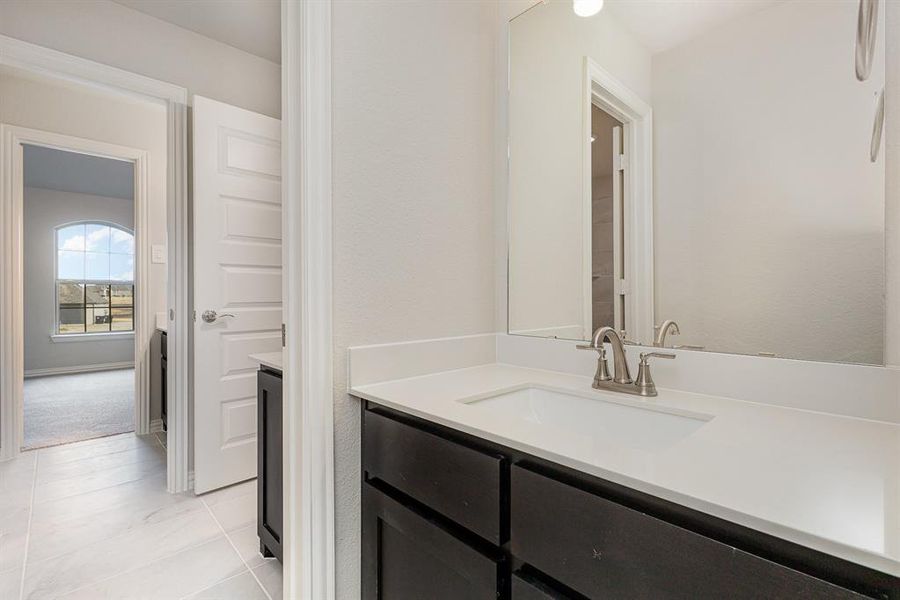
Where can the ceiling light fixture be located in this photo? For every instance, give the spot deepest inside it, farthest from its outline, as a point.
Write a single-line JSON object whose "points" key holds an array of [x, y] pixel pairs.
{"points": [[587, 8]]}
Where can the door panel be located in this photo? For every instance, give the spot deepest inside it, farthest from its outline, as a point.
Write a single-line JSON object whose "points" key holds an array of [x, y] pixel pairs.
{"points": [[237, 270]]}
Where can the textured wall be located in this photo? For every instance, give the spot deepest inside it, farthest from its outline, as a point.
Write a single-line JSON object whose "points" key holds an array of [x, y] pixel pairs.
{"points": [[413, 197], [769, 215], [112, 34]]}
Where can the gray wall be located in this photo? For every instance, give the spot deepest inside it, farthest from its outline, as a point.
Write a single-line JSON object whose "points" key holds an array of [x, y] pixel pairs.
{"points": [[44, 211]]}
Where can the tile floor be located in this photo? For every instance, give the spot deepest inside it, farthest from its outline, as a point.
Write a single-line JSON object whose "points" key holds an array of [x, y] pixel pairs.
{"points": [[93, 520]]}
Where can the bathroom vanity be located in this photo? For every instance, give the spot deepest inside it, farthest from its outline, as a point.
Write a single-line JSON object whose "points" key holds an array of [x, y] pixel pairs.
{"points": [[446, 515], [488, 482], [269, 480]]}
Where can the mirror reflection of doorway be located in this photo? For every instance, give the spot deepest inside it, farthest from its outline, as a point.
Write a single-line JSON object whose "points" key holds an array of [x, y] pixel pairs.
{"points": [[607, 303], [79, 296]]}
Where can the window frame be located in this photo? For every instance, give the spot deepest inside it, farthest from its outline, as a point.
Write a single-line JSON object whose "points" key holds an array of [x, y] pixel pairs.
{"points": [[55, 334]]}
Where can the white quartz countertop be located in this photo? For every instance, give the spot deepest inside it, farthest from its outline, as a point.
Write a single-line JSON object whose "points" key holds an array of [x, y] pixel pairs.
{"points": [[826, 482], [274, 360]]}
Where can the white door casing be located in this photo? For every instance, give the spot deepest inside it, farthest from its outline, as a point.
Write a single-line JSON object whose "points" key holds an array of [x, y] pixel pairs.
{"points": [[237, 271]]}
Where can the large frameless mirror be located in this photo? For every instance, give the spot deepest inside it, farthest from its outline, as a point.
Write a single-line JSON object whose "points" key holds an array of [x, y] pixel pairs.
{"points": [[716, 164]]}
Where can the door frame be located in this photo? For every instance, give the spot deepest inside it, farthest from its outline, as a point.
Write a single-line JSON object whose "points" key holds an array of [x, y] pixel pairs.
{"points": [[636, 116], [37, 59], [12, 196], [306, 113]]}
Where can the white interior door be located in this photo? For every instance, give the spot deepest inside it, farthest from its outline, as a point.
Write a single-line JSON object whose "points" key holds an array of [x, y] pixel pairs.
{"points": [[237, 274]]}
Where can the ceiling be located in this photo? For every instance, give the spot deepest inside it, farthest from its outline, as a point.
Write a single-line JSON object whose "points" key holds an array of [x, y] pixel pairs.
{"points": [[664, 24], [253, 26], [63, 171]]}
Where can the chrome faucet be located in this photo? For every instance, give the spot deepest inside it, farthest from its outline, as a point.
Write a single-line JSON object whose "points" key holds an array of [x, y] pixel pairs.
{"points": [[663, 331], [620, 380]]}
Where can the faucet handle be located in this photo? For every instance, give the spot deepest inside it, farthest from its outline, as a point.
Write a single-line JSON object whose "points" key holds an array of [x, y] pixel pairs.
{"points": [[644, 381], [645, 356], [601, 349], [602, 373]]}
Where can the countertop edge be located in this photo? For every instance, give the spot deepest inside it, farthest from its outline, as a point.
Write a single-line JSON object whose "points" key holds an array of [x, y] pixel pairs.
{"points": [[273, 360]]}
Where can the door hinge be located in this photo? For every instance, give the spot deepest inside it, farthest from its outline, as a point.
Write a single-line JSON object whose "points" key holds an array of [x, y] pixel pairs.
{"points": [[194, 316], [283, 335], [622, 287], [621, 161]]}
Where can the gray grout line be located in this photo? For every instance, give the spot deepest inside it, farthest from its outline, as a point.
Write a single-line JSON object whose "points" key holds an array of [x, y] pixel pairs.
{"points": [[227, 537], [37, 457]]}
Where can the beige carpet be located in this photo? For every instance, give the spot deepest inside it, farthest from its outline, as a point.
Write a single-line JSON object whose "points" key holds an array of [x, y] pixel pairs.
{"points": [[60, 409]]}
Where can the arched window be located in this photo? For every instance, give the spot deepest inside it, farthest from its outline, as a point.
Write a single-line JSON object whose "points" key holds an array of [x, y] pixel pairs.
{"points": [[94, 278]]}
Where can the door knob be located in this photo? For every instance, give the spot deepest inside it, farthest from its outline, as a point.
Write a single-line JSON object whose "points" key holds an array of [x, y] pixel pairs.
{"points": [[210, 316]]}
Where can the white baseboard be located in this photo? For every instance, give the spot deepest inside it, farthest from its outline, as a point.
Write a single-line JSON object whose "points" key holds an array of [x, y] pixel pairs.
{"points": [[78, 369], [156, 426]]}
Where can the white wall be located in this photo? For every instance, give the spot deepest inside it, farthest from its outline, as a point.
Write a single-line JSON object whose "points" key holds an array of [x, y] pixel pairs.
{"points": [[769, 216], [413, 197], [547, 49], [45, 210], [112, 34]]}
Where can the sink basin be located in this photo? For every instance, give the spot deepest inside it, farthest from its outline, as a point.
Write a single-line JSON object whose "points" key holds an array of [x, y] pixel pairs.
{"points": [[646, 429]]}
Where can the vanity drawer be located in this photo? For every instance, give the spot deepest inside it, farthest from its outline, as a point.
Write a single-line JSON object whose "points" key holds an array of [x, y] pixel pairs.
{"points": [[459, 482], [603, 549]]}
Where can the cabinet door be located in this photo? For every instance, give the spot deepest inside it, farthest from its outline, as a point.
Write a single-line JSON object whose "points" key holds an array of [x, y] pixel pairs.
{"points": [[163, 378], [408, 557], [270, 488], [603, 549], [527, 588]]}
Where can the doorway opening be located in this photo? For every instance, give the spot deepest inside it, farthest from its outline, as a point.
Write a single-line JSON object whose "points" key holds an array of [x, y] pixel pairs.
{"points": [[607, 262], [79, 296]]}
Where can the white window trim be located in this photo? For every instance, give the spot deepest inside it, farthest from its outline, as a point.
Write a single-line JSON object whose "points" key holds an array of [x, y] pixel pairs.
{"points": [[92, 337]]}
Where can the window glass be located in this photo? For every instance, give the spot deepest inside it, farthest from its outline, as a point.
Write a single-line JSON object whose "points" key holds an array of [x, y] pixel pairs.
{"points": [[70, 265], [94, 278], [71, 238], [121, 267], [97, 237]]}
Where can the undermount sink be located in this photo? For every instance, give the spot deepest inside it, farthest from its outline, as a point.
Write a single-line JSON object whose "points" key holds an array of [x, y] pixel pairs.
{"points": [[646, 429]]}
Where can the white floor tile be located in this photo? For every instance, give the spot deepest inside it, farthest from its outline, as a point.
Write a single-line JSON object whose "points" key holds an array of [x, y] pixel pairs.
{"points": [[236, 511], [13, 543], [229, 493], [173, 577], [143, 492], [10, 584], [247, 543], [96, 447], [239, 587], [56, 537], [55, 576], [269, 574], [93, 520], [95, 464], [73, 486]]}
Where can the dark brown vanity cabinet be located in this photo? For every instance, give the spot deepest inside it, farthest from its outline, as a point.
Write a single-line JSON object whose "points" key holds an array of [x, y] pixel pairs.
{"points": [[449, 515], [269, 482], [164, 377]]}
